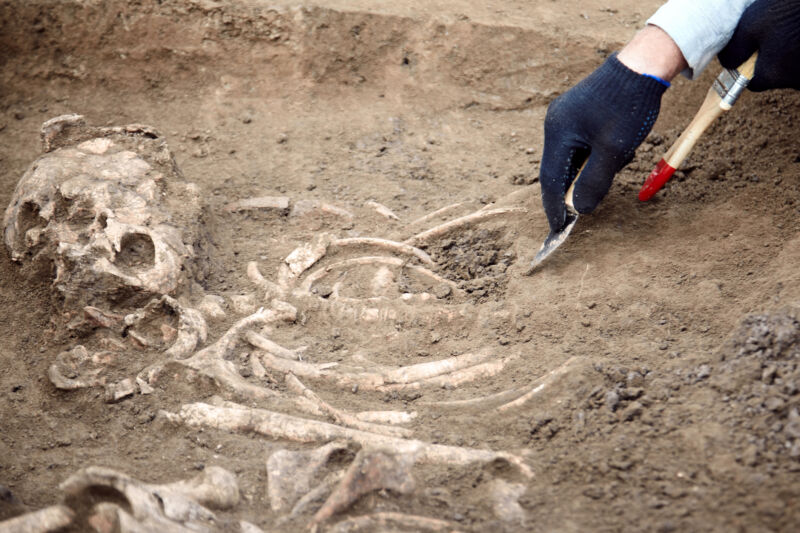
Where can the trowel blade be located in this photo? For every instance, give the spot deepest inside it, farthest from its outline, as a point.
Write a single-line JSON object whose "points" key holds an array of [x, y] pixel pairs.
{"points": [[553, 241]]}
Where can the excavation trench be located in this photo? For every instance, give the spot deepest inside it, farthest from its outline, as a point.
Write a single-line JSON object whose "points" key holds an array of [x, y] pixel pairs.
{"points": [[607, 375]]}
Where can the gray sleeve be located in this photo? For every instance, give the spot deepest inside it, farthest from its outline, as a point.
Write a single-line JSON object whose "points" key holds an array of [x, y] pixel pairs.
{"points": [[700, 28]]}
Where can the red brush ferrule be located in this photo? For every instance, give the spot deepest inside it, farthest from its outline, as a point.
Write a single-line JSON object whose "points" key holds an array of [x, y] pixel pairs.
{"points": [[657, 178]]}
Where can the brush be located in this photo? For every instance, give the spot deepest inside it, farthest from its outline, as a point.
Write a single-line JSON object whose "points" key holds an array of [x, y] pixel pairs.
{"points": [[720, 98]]}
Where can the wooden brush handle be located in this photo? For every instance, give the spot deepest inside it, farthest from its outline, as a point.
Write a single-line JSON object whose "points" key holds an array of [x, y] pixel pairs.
{"points": [[748, 68], [712, 107], [707, 114]]}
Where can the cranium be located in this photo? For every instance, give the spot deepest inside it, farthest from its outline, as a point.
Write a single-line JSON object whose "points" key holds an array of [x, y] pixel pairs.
{"points": [[108, 208]]}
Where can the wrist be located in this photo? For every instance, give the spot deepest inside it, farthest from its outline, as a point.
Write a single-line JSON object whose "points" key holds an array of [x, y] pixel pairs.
{"points": [[653, 52]]}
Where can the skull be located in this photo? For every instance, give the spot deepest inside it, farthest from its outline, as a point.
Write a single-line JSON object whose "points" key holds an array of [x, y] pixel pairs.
{"points": [[109, 209]]}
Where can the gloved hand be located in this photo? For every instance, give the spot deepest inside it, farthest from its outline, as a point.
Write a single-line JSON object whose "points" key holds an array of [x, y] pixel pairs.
{"points": [[771, 27], [605, 117]]}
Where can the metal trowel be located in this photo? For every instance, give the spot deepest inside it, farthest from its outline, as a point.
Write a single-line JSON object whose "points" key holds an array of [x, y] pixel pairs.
{"points": [[557, 238]]}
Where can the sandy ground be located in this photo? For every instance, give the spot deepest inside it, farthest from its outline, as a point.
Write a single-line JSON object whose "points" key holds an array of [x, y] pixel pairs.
{"points": [[680, 409]]}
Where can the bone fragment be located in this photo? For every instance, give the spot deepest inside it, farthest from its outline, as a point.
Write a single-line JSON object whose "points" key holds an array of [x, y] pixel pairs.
{"points": [[237, 418], [78, 363], [369, 471], [168, 333], [303, 207], [119, 391], [263, 343], [284, 311], [398, 522], [540, 384], [49, 519], [468, 220], [211, 307], [300, 368], [339, 416], [392, 246], [267, 203], [144, 387], [386, 417], [382, 210], [383, 283], [112, 344], [214, 487], [271, 289], [504, 497], [304, 257], [291, 474], [55, 130], [138, 340], [102, 318], [243, 304], [192, 331], [257, 368], [247, 527]]}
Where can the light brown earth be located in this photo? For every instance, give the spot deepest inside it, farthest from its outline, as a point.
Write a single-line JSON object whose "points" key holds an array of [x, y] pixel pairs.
{"points": [[678, 414]]}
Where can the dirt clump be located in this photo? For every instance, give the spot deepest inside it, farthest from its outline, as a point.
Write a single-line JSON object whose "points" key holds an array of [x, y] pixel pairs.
{"points": [[478, 261]]}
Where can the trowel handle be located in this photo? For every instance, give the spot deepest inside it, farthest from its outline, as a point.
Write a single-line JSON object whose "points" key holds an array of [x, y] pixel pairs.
{"points": [[571, 191]]}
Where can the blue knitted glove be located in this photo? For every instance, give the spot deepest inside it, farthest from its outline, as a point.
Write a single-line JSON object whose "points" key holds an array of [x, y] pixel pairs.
{"points": [[771, 27], [605, 117]]}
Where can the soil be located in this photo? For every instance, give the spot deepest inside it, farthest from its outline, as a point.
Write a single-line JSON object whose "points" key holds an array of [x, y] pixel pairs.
{"points": [[681, 315]]}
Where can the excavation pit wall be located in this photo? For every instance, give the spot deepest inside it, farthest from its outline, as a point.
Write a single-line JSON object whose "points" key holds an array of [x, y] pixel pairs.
{"points": [[418, 112]]}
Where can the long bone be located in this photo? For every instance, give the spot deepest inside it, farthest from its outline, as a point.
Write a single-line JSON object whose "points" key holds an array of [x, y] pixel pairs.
{"points": [[47, 520], [540, 384], [341, 417], [263, 343], [372, 260], [452, 371], [392, 246], [238, 418], [468, 220]]}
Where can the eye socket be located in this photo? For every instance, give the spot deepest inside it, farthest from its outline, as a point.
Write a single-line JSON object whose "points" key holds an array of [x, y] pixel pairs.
{"points": [[137, 252]]}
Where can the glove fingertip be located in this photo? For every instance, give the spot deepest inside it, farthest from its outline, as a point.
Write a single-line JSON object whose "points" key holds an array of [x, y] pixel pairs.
{"points": [[585, 204]]}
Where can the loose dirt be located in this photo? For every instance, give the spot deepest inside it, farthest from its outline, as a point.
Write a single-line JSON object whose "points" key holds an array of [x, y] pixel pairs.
{"points": [[680, 409]]}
